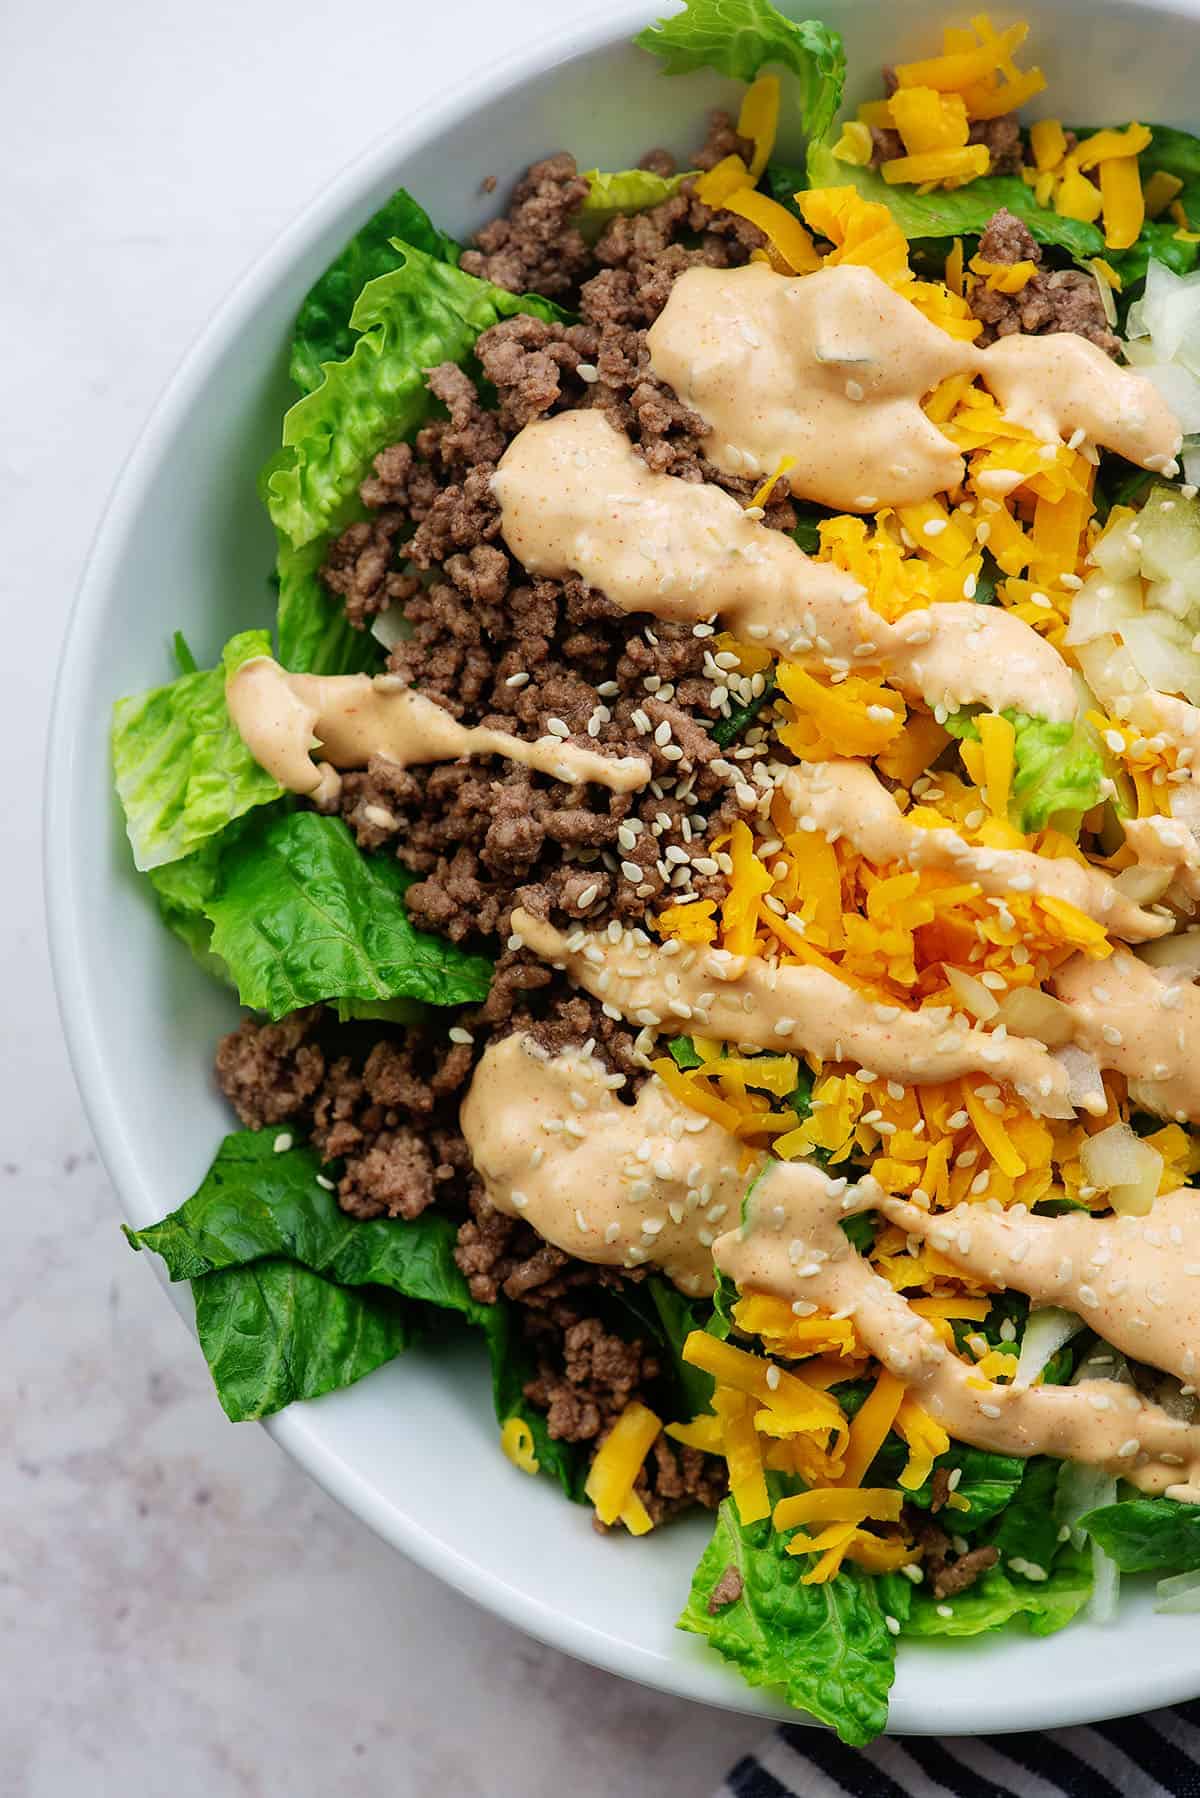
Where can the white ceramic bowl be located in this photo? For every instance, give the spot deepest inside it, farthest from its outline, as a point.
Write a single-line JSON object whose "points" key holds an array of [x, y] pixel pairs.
{"points": [[412, 1450]]}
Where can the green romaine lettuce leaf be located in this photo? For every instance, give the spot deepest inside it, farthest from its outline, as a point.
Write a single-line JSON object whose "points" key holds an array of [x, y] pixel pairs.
{"points": [[825, 1648], [184, 888], [995, 1599], [1057, 770], [960, 212], [300, 915], [513, 1366], [1145, 1535], [677, 1317], [323, 332], [315, 636], [255, 1203], [740, 37], [294, 1298], [274, 1331], [628, 190], [988, 1482], [182, 771], [1028, 1527], [421, 313]]}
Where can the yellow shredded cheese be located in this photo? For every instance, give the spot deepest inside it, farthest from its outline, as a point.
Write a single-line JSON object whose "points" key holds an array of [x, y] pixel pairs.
{"points": [[869, 1428], [619, 1460], [998, 741], [759, 121], [516, 1439]]}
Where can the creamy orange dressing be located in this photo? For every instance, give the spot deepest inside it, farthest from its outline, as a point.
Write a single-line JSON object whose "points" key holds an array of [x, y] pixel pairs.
{"points": [[575, 497], [1134, 1280], [1060, 385], [351, 718], [1147, 1028], [621, 1185], [741, 999], [846, 800], [791, 1246], [830, 369]]}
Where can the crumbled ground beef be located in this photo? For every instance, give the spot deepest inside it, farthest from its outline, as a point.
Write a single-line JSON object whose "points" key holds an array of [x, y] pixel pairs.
{"points": [[947, 1572], [1059, 300], [269, 1072], [727, 1590], [497, 647]]}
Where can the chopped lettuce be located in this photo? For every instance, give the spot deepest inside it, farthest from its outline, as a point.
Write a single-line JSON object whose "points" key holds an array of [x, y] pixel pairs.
{"points": [[677, 1316], [629, 190], [294, 1298], [987, 1482], [300, 914], [1145, 1535], [826, 1648], [183, 890], [724, 1299], [996, 1599], [1057, 770], [406, 321], [740, 37], [959, 212], [182, 771], [274, 1332], [256, 1203], [323, 331], [1028, 1527], [513, 1366]]}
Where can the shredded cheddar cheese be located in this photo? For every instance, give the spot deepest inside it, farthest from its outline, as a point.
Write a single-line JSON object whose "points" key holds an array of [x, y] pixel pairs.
{"points": [[618, 1462]]}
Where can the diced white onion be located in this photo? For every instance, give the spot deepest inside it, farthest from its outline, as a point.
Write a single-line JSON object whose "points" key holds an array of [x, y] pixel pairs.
{"points": [[1116, 552], [1046, 1330], [972, 995], [391, 627], [1143, 885], [1106, 1586], [1109, 670], [1174, 955], [1179, 1593], [1103, 606], [1083, 1076], [1027, 1012], [1081, 1489], [1118, 1162]]}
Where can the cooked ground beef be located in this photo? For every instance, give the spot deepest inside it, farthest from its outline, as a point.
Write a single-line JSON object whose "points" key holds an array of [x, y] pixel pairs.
{"points": [[947, 1572], [727, 1590], [497, 647], [1058, 300]]}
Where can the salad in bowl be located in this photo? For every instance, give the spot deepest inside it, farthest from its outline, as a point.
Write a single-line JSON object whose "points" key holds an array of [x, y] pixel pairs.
{"points": [[708, 851]]}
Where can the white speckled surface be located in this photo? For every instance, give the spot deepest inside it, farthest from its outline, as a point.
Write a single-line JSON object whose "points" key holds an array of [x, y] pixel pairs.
{"points": [[181, 1612]]}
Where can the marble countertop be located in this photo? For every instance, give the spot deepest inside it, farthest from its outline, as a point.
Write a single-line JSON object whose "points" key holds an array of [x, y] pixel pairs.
{"points": [[183, 1613]]}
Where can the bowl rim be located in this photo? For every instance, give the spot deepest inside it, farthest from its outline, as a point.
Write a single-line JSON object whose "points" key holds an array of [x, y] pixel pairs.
{"points": [[298, 1429]]}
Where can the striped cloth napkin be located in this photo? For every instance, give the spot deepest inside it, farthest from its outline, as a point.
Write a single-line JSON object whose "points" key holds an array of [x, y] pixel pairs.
{"points": [[1157, 1756]]}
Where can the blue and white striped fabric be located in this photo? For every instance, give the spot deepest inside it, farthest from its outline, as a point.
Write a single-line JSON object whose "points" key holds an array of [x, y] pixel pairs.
{"points": [[1157, 1756]]}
